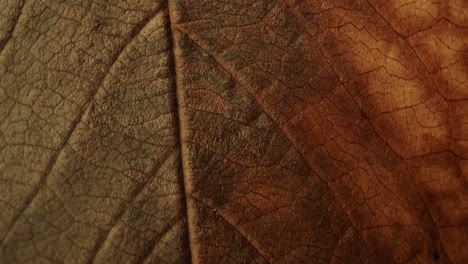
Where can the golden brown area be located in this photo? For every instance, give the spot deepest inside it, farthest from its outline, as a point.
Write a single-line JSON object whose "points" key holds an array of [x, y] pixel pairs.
{"points": [[256, 131]]}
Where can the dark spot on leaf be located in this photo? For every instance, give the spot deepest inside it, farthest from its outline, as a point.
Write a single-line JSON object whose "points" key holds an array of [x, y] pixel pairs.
{"points": [[210, 41]]}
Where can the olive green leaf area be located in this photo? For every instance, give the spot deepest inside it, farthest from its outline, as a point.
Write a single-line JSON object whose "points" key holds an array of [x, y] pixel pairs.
{"points": [[194, 131]]}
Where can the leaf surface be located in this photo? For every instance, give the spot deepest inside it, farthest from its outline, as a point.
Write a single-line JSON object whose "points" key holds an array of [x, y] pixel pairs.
{"points": [[233, 131]]}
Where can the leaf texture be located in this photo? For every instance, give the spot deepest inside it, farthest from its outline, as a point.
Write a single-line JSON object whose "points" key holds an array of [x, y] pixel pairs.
{"points": [[192, 131]]}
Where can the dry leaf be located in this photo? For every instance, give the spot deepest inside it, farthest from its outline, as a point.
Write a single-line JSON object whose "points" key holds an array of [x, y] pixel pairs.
{"points": [[233, 131]]}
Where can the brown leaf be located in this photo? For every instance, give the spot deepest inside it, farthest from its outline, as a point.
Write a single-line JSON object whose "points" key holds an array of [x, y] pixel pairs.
{"points": [[233, 131]]}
